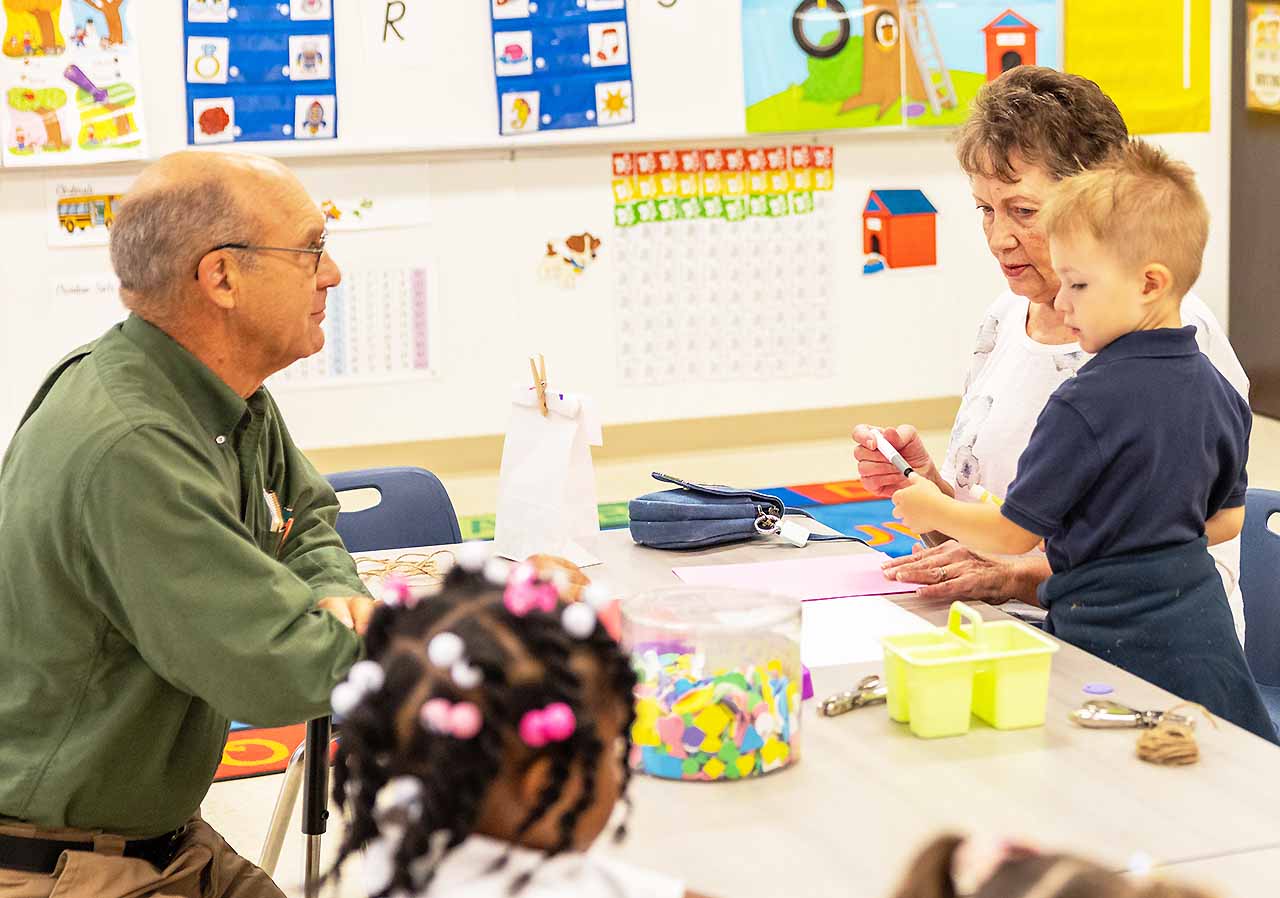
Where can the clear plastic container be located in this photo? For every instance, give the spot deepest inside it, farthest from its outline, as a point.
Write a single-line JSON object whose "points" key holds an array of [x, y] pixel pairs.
{"points": [[719, 682]]}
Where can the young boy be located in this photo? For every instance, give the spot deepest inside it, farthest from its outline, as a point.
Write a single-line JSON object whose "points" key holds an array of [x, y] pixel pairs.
{"points": [[1136, 464]]}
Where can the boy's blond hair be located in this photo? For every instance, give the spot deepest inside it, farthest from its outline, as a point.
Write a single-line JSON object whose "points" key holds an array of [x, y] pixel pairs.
{"points": [[1140, 204]]}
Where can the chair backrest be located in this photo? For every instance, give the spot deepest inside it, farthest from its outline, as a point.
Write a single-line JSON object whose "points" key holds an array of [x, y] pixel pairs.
{"points": [[1260, 585], [413, 510]]}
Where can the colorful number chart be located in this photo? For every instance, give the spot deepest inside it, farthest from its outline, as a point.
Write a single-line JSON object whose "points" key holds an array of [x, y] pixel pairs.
{"points": [[724, 264], [376, 329], [260, 70], [561, 64]]}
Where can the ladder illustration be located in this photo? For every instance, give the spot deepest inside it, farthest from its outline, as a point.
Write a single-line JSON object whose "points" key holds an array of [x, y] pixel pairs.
{"points": [[924, 44]]}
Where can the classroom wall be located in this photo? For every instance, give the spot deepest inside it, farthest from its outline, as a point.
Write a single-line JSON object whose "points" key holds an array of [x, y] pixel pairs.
{"points": [[1255, 215], [901, 336]]}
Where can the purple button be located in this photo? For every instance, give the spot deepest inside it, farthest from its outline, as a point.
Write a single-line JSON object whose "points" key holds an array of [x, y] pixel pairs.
{"points": [[1098, 689]]}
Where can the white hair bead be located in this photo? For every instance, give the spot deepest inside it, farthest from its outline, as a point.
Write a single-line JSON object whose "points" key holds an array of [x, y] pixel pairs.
{"points": [[344, 698], [578, 620], [473, 554], [597, 594], [367, 676], [496, 571], [464, 675], [445, 649], [399, 792]]}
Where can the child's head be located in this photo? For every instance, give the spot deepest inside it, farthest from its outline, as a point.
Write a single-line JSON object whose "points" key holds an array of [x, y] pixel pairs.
{"points": [[947, 866], [1126, 239], [490, 710]]}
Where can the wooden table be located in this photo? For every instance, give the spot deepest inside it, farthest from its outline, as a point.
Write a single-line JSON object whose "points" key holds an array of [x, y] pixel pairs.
{"points": [[866, 795]]}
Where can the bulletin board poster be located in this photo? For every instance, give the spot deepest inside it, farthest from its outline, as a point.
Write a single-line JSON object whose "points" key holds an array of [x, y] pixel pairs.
{"points": [[1262, 64], [69, 82], [825, 64], [1153, 63], [561, 64], [260, 70]]}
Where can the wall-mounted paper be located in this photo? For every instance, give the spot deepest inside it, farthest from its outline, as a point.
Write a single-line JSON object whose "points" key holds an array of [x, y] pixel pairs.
{"points": [[70, 89], [395, 34], [1169, 90], [1262, 59], [86, 305], [378, 327], [80, 212], [367, 212]]}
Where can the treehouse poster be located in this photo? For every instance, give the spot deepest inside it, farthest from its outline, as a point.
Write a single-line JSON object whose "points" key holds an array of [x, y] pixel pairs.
{"points": [[815, 65], [69, 80]]}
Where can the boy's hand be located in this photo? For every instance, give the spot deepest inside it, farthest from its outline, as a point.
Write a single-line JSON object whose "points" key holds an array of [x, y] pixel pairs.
{"points": [[918, 504]]}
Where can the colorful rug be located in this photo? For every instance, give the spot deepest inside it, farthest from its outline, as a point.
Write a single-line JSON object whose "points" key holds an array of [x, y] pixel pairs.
{"points": [[256, 751], [843, 506]]}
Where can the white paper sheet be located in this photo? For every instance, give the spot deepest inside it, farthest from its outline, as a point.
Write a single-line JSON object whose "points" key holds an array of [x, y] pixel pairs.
{"points": [[847, 631]]}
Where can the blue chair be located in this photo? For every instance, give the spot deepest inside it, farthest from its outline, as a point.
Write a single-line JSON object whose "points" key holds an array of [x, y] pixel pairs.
{"points": [[413, 510], [1260, 585]]}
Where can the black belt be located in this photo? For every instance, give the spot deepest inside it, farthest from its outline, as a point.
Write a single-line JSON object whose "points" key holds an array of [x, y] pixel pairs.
{"points": [[38, 855]]}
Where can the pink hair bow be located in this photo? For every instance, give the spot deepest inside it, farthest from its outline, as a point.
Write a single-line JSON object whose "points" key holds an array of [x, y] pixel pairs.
{"points": [[526, 592], [554, 723]]}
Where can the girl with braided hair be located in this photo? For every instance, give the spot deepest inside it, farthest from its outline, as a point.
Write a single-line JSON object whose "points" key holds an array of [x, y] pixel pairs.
{"points": [[483, 744]]}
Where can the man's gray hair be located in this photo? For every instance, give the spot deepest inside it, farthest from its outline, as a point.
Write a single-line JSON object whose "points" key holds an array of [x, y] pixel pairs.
{"points": [[160, 235]]}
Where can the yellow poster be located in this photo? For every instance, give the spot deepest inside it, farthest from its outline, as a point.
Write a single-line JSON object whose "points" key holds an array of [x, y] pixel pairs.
{"points": [[1262, 63], [1150, 56]]}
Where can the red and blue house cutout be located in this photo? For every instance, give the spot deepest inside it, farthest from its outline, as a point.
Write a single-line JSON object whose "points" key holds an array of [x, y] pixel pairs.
{"points": [[899, 230], [1011, 42]]}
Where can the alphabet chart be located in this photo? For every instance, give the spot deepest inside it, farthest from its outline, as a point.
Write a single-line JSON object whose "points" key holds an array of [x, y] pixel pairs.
{"points": [[724, 266], [376, 328], [260, 70], [561, 64]]}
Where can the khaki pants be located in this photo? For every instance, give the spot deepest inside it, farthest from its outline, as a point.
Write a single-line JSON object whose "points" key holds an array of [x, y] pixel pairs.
{"points": [[204, 866]]}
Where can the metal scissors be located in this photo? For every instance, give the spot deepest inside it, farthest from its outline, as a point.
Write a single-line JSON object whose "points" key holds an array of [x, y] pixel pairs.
{"points": [[1101, 714], [870, 690]]}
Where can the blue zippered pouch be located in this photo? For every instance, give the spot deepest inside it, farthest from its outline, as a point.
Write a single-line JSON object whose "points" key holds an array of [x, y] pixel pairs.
{"points": [[698, 515]]}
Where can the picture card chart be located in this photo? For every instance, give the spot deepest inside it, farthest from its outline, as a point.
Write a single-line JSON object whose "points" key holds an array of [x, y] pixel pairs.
{"points": [[376, 327], [724, 264], [561, 64], [260, 70], [69, 82]]}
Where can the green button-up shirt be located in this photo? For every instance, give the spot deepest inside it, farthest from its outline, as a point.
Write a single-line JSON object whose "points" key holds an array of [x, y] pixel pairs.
{"points": [[147, 592]]}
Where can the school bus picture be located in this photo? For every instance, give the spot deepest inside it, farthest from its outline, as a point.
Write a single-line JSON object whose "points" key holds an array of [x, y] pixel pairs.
{"points": [[87, 211]]}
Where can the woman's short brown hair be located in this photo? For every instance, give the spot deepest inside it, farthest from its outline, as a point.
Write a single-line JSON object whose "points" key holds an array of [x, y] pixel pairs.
{"points": [[1062, 122]]}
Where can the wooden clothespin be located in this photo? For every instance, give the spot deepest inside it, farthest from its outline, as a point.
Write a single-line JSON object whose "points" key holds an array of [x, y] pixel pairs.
{"points": [[539, 370]]}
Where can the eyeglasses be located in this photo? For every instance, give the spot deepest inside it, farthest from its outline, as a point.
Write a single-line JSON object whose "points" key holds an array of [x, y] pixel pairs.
{"points": [[318, 250]]}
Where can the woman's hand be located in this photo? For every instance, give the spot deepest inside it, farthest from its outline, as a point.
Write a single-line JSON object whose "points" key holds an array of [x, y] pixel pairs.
{"points": [[953, 571], [878, 476]]}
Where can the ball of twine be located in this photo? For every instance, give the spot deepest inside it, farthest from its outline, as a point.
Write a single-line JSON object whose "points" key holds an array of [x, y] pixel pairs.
{"points": [[1172, 742]]}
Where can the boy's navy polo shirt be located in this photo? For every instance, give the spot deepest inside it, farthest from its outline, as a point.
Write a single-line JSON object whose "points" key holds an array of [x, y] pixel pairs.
{"points": [[1134, 453]]}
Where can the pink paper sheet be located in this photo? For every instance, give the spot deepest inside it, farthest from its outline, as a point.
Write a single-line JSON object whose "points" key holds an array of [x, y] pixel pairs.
{"points": [[830, 577]]}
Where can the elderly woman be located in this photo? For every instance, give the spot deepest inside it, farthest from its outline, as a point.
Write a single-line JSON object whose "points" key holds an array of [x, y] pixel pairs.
{"points": [[1029, 128]]}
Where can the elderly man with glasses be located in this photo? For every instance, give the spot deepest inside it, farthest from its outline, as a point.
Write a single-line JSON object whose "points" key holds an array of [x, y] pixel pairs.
{"points": [[169, 559]]}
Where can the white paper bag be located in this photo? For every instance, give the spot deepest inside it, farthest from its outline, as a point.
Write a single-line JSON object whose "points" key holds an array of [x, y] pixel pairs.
{"points": [[547, 487]]}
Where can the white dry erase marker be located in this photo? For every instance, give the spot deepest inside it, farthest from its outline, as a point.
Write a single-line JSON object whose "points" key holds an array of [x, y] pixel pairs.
{"points": [[893, 455]]}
